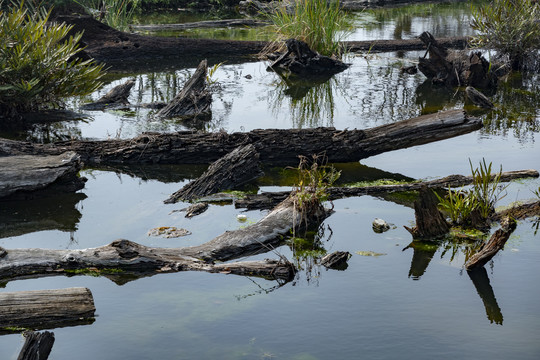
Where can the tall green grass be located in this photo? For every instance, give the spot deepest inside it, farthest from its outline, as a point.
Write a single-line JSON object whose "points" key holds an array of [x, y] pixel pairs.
{"points": [[319, 23], [115, 13]]}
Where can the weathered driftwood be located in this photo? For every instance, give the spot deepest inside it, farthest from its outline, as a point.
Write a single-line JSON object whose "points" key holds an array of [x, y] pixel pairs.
{"points": [[194, 100], [196, 209], [276, 147], [37, 345], [493, 245], [26, 173], [267, 200], [234, 169], [202, 24], [117, 96], [456, 68], [301, 61], [137, 260], [45, 309], [336, 260], [478, 98], [430, 223], [518, 211], [480, 279]]}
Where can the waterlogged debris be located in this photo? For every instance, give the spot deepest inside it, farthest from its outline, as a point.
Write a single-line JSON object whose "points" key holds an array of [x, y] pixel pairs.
{"points": [[369, 253], [380, 226], [168, 232]]}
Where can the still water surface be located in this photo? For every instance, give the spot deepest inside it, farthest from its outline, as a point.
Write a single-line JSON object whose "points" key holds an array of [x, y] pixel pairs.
{"points": [[407, 304]]}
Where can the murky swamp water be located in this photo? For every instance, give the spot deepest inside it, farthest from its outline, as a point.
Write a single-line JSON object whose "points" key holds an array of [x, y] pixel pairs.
{"points": [[413, 303]]}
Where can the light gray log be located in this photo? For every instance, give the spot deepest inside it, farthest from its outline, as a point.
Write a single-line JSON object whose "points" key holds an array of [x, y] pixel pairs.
{"points": [[26, 173], [45, 309]]}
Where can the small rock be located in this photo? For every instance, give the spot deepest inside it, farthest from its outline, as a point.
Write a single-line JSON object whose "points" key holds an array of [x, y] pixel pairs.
{"points": [[168, 232], [380, 226], [248, 76], [241, 218]]}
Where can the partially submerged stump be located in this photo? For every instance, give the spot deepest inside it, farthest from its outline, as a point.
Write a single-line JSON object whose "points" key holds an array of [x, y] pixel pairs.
{"points": [[455, 68], [37, 345], [478, 98], [301, 61], [117, 96], [493, 245], [234, 169], [194, 100], [336, 260], [45, 309], [430, 223], [24, 174]]}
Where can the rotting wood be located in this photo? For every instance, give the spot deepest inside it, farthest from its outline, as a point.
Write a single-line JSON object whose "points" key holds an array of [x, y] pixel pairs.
{"points": [[117, 96], [454, 68], [277, 147], [45, 309], [129, 259], [194, 100], [234, 169], [37, 345], [493, 245], [478, 98], [202, 24], [267, 200], [24, 174], [480, 280], [518, 211], [430, 222], [336, 260]]}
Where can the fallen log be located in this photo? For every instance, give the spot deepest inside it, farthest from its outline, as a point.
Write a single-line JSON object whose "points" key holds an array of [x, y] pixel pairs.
{"points": [[478, 98], [276, 146], [234, 169], [493, 245], [267, 200], [518, 211], [430, 222], [26, 173], [45, 309], [129, 259], [193, 101], [202, 24], [37, 345], [117, 96]]}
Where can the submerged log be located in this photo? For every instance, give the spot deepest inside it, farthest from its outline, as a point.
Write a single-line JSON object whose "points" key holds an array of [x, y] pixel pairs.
{"points": [[202, 24], [24, 174], [478, 98], [117, 96], [194, 100], [518, 211], [456, 68], [493, 245], [37, 345], [430, 223], [45, 309], [234, 169], [267, 200], [301, 60], [132, 259], [336, 260], [276, 147]]}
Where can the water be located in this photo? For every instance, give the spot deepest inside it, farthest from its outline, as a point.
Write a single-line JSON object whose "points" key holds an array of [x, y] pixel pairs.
{"points": [[397, 305]]}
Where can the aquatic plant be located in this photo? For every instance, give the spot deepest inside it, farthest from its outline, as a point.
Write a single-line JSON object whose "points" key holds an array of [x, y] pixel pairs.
{"points": [[115, 13], [38, 64], [509, 26], [319, 23], [480, 199]]}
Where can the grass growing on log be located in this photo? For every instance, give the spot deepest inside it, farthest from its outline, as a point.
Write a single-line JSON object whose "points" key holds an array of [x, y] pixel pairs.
{"points": [[509, 26], [319, 23]]}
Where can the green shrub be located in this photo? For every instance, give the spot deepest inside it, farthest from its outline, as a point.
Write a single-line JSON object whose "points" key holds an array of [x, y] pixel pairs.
{"points": [[509, 26], [37, 68], [319, 23]]}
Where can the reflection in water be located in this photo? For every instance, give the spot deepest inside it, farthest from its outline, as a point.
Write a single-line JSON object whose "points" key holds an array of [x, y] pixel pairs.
{"points": [[480, 280], [433, 98], [311, 101], [19, 217]]}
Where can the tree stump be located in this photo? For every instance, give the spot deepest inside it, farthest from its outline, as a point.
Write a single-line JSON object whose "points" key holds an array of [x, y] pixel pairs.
{"points": [[430, 223], [194, 100], [37, 346]]}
